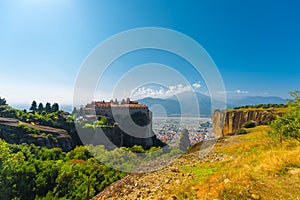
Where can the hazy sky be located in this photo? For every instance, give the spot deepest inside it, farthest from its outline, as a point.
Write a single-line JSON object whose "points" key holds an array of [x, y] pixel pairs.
{"points": [[255, 44]]}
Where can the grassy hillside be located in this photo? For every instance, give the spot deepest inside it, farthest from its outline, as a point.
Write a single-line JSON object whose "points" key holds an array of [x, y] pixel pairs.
{"points": [[250, 166], [257, 167]]}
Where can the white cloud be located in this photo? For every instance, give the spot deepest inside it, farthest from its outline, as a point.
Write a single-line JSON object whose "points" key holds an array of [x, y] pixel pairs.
{"points": [[233, 92], [197, 85], [172, 90], [241, 92]]}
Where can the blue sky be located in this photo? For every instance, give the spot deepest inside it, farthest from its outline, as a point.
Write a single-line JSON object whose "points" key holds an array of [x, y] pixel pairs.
{"points": [[255, 44]]}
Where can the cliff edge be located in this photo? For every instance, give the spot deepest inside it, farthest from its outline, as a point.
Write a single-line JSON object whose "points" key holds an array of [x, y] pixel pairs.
{"points": [[16, 132], [230, 121]]}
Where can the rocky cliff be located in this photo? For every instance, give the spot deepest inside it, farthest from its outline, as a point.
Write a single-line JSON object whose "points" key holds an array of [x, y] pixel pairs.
{"points": [[126, 131], [115, 137], [13, 131], [229, 121]]}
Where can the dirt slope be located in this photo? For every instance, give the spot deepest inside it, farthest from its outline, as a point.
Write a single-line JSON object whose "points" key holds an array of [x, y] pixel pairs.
{"points": [[248, 166]]}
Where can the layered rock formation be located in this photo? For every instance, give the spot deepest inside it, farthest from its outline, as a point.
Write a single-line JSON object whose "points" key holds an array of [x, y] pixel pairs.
{"points": [[230, 121], [12, 132]]}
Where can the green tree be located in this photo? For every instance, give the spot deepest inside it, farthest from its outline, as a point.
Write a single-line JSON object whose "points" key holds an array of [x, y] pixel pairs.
{"points": [[31, 172], [40, 108], [80, 152], [7, 111], [288, 125], [249, 124], [48, 107], [33, 106], [55, 107], [2, 102], [102, 121]]}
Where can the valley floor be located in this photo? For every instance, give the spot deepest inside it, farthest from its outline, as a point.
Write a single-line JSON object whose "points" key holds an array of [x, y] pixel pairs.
{"points": [[251, 166]]}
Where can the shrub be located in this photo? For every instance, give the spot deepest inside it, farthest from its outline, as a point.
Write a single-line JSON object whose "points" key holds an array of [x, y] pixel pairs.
{"points": [[249, 124], [27, 129], [288, 125], [241, 131]]}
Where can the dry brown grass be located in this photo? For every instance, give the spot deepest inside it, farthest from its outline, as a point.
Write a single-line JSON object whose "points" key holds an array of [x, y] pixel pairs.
{"points": [[256, 167]]}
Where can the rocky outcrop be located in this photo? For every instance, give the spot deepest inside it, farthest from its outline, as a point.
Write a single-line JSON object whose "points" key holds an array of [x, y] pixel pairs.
{"points": [[125, 131], [12, 132], [229, 121], [115, 137]]}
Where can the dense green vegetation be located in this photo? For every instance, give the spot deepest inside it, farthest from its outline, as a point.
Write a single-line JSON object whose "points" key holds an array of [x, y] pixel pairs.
{"points": [[48, 116], [6, 110], [31, 172], [288, 125], [265, 106], [128, 159]]}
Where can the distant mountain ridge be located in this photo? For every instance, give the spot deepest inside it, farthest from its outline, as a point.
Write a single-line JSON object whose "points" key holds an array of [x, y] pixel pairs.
{"points": [[171, 106], [185, 104], [254, 100]]}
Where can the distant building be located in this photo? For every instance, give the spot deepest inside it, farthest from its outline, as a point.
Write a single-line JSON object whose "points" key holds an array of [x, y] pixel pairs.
{"points": [[108, 109]]}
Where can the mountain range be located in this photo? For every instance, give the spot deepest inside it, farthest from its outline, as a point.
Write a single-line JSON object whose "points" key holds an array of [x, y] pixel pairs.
{"points": [[197, 104]]}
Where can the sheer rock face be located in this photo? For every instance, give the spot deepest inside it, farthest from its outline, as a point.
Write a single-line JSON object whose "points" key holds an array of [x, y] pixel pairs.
{"points": [[115, 137], [230, 121], [129, 131], [47, 136]]}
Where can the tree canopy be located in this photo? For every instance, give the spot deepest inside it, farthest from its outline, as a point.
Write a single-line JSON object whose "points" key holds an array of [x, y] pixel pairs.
{"points": [[288, 125], [33, 106], [48, 107], [40, 108], [2, 102], [55, 107], [31, 172]]}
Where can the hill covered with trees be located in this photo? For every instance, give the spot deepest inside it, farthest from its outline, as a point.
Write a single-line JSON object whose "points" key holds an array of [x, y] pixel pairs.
{"points": [[32, 172]]}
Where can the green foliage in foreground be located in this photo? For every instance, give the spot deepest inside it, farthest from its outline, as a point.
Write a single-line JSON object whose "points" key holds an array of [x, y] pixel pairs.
{"points": [[31, 172], [288, 125], [129, 159]]}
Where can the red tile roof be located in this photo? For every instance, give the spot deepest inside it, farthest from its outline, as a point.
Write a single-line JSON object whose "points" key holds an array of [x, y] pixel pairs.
{"points": [[109, 104]]}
